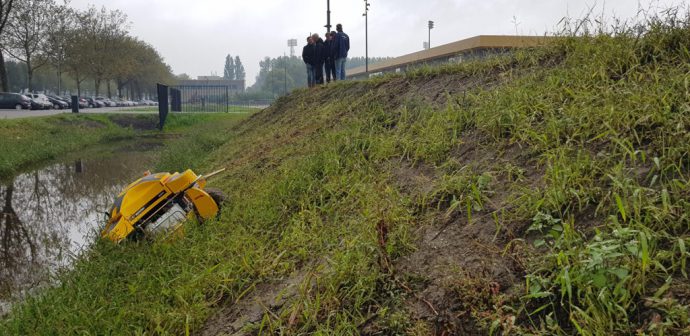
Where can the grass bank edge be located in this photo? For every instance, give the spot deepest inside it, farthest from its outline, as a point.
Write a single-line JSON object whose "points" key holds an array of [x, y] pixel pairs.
{"points": [[31, 141]]}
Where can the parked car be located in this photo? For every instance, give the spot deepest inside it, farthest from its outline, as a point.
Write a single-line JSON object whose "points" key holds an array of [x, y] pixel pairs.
{"points": [[106, 101], [37, 104], [94, 103], [83, 103], [121, 102], [65, 100], [58, 104], [41, 101], [147, 102], [14, 101]]}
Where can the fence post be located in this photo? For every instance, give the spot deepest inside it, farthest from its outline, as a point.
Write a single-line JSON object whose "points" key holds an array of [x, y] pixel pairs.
{"points": [[163, 105], [75, 104], [175, 100]]}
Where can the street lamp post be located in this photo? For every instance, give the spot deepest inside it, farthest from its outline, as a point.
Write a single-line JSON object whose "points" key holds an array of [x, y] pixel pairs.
{"points": [[366, 35], [328, 16], [431, 26]]}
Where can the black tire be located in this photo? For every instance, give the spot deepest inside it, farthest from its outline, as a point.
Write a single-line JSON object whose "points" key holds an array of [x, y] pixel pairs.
{"points": [[218, 196], [18, 107]]}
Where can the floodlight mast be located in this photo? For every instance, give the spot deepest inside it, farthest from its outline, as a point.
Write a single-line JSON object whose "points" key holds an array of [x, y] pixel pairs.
{"points": [[292, 43], [431, 26], [366, 35]]}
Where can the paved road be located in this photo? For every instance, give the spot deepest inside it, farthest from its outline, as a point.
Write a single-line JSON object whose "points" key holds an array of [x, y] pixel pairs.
{"points": [[15, 114]]}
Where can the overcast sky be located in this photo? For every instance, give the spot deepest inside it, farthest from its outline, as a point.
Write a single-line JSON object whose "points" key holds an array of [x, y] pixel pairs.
{"points": [[194, 36]]}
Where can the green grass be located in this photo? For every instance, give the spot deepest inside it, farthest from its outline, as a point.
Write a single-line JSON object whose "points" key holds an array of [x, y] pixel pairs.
{"points": [[28, 141], [217, 108], [581, 178]]}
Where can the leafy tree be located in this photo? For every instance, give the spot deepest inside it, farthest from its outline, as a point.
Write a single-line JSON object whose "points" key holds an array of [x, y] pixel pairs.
{"points": [[88, 45], [102, 28], [279, 75], [57, 40], [78, 53], [240, 74], [5, 11], [229, 72], [25, 34], [354, 62]]}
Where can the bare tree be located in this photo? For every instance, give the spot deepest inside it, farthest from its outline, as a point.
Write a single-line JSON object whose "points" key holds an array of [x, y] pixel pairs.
{"points": [[26, 33], [5, 10]]}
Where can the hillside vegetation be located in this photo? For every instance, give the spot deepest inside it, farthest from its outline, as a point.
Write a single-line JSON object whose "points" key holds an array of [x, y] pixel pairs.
{"points": [[546, 192]]}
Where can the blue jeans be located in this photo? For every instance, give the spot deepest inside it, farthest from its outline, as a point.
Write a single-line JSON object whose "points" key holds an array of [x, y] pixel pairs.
{"points": [[340, 68], [310, 75]]}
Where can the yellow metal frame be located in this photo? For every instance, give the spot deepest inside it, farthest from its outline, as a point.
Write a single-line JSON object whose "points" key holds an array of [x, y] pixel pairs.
{"points": [[137, 201]]}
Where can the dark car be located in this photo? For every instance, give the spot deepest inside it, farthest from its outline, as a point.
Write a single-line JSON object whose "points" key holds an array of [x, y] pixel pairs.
{"points": [[94, 103], [14, 101], [38, 105], [66, 101], [58, 104]]}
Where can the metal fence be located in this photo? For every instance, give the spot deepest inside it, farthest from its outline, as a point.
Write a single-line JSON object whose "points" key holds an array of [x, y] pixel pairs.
{"points": [[204, 99], [211, 98], [207, 98]]}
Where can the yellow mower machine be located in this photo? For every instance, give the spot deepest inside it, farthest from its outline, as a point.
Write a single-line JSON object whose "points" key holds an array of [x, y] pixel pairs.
{"points": [[160, 203]]}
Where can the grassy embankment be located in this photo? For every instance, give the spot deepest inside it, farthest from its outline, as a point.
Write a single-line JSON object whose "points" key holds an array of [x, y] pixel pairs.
{"points": [[541, 193]]}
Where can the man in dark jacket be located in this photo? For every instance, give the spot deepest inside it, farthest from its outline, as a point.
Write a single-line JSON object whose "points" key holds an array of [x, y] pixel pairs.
{"points": [[331, 54], [320, 53], [343, 45], [308, 58]]}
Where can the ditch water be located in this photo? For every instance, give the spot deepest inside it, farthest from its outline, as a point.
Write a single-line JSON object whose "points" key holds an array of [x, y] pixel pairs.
{"points": [[51, 214]]}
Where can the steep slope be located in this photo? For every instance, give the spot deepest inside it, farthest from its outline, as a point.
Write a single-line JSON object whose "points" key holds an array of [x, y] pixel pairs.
{"points": [[544, 192]]}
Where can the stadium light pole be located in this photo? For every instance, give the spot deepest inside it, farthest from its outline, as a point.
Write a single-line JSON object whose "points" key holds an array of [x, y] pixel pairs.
{"points": [[366, 35], [431, 26], [292, 43]]}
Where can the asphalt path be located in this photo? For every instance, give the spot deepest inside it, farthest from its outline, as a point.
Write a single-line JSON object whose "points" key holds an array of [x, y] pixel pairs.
{"points": [[16, 114]]}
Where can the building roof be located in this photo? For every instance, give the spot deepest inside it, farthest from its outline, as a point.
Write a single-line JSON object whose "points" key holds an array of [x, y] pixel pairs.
{"points": [[451, 49], [213, 82]]}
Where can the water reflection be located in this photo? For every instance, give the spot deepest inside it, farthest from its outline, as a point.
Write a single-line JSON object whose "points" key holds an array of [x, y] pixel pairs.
{"points": [[51, 214]]}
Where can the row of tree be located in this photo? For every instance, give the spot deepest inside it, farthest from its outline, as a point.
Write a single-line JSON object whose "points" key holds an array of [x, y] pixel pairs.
{"points": [[89, 45], [234, 69]]}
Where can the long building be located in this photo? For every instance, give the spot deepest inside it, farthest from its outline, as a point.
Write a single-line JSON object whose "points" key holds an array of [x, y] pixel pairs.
{"points": [[475, 47], [233, 86]]}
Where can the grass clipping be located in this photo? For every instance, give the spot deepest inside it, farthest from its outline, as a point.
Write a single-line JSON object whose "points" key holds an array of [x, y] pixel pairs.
{"points": [[542, 193]]}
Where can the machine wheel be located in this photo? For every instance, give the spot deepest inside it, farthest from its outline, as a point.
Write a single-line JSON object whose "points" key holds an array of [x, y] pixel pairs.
{"points": [[218, 196]]}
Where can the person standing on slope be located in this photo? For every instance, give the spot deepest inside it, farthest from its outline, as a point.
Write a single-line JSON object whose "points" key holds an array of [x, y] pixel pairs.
{"points": [[308, 58], [319, 58], [343, 45], [331, 53]]}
